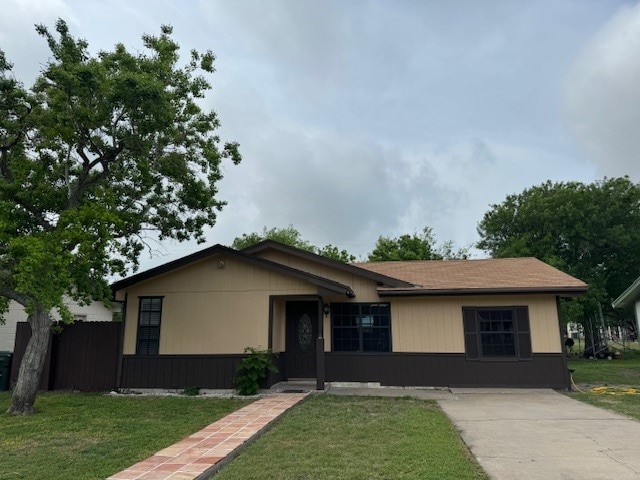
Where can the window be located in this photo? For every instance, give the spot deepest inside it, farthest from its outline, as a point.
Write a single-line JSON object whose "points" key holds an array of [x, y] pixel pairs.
{"points": [[149, 315], [361, 327], [497, 332]]}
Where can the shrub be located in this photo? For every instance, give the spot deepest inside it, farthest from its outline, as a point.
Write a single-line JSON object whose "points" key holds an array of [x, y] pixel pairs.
{"points": [[252, 369], [191, 391]]}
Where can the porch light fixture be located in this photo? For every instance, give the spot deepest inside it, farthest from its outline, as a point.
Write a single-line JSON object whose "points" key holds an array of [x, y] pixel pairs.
{"points": [[327, 309]]}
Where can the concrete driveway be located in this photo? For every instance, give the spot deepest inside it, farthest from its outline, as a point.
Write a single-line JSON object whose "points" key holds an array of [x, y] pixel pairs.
{"points": [[542, 434]]}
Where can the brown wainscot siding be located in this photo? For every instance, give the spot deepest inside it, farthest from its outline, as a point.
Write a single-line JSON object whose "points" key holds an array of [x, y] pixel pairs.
{"points": [[444, 370], [182, 371]]}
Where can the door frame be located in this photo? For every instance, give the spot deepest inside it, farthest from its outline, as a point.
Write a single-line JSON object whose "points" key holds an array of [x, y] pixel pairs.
{"points": [[319, 341]]}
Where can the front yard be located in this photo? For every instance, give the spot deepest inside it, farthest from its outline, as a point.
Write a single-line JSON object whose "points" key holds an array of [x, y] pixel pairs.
{"points": [[620, 375], [333, 437], [91, 436]]}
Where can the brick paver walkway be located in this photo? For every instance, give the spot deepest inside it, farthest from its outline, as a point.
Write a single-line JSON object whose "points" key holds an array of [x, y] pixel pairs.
{"points": [[193, 456]]}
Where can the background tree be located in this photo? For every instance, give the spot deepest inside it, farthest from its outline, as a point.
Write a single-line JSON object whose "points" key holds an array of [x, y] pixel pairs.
{"points": [[334, 253], [418, 246], [99, 151], [292, 237], [591, 231], [287, 235]]}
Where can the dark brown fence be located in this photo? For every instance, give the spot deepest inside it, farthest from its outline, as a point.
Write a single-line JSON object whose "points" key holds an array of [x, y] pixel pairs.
{"points": [[84, 356]]}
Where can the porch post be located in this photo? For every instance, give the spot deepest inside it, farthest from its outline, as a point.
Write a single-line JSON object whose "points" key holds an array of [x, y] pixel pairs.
{"points": [[320, 347], [320, 364]]}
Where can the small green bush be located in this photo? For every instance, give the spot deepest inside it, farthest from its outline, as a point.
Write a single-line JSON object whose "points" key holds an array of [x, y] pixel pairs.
{"points": [[191, 391], [252, 369]]}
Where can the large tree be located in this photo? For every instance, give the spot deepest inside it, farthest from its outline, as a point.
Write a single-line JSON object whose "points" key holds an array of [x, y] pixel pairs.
{"points": [[591, 231], [100, 151], [292, 237], [417, 246]]}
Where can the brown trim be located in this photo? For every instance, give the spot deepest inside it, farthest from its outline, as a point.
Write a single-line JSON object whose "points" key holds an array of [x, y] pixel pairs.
{"points": [[563, 291], [562, 347], [345, 267], [544, 370], [320, 374], [320, 282], [270, 335], [123, 306], [320, 346]]}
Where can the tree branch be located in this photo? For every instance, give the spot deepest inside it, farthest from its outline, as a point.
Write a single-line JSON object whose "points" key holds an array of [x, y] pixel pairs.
{"points": [[15, 296]]}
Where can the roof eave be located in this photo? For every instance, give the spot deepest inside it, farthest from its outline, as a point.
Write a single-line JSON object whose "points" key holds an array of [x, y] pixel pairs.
{"points": [[560, 291], [318, 281], [379, 278], [629, 296]]}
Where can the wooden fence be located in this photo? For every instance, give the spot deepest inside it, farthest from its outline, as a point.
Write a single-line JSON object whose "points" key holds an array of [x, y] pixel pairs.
{"points": [[84, 356]]}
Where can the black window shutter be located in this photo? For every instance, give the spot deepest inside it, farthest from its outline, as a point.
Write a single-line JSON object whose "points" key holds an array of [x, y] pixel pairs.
{"points": [[524, 332], [470, 332]]}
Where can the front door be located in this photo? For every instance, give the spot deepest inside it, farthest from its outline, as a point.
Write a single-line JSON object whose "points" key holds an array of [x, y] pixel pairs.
{"points": [[302, 331]]}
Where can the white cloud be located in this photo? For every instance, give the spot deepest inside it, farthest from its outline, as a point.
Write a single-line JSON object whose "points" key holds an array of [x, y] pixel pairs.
{"points": [[359, 119], [603, 95]]}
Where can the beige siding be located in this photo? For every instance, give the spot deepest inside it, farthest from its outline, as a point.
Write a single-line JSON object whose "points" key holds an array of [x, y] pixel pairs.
{"points": [[365, 290], [435, 324], [221, 305], [212, 307]]}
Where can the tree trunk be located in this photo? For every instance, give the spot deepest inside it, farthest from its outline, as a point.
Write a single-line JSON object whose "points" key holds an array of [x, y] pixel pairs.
{"points": [[24, 394]]}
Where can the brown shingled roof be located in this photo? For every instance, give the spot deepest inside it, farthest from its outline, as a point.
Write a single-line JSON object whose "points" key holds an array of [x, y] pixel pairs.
{"points": [[476, 276]]}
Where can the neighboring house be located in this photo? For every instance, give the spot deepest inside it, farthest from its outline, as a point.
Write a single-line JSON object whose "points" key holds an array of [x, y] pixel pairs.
{"points": [[631, 296], [95, 312], [430, 323]]}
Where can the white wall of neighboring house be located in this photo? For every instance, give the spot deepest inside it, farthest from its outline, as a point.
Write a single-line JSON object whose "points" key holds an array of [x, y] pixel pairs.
{"points": [[94, 312]]}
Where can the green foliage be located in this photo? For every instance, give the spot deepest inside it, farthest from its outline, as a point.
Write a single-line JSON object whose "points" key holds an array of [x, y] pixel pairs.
{"points": [[253, 368], [418, 246], [287, 236], [591, 231], [191, 391], [334, 253], [100, 150], [292, 237]]}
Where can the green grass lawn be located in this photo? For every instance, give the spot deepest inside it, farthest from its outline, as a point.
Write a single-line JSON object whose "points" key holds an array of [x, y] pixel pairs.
{"points": [[332, 437], [91, 436], [613, 373], [625, 371]]}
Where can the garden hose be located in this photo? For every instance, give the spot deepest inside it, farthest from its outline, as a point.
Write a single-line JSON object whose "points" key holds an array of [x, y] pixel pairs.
{"points": [[573, 384], [614, 391]]}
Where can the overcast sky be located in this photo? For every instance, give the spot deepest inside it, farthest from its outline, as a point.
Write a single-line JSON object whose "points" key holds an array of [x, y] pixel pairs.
{"points": [[365, 118]]}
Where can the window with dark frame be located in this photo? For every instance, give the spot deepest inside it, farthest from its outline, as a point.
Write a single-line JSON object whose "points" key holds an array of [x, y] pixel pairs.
{"points": [[149, 315], [497, 332], [361, 327]]}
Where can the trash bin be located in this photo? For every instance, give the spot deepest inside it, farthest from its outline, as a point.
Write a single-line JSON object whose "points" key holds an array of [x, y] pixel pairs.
{"points": [[5, 370]]}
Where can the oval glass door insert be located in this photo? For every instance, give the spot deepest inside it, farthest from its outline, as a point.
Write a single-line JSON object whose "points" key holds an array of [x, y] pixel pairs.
{"points": [[305, 332]]}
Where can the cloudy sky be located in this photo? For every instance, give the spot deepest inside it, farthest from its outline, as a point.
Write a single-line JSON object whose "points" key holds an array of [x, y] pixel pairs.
{"points": [[366, 118]]}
